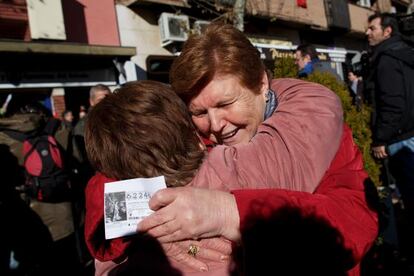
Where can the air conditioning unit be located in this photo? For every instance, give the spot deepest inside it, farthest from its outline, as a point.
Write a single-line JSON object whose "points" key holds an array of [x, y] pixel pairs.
{"points": [[173, 28], [200, 25]]}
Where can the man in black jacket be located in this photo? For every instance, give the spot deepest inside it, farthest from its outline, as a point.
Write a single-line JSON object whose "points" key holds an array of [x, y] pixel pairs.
{"points": [[392, 62]]}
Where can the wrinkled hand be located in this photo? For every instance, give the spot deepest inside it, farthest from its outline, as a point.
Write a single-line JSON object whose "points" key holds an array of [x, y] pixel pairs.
{"points": [[191, 213], [379, 152], [213, 249]]}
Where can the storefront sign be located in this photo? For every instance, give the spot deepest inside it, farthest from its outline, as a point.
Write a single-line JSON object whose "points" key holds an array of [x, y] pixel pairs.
{"points": [[274, 53]]}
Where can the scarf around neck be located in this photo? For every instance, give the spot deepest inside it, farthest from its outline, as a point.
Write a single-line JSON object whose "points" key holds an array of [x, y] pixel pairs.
{"points": [[271, 104]]}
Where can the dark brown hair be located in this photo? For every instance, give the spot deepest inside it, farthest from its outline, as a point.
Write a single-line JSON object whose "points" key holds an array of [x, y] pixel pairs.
{"points": [[387, 20], [221, 49], [308, 49], [143, 129]]}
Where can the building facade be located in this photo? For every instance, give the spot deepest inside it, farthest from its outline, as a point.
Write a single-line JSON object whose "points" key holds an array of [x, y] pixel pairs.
{"points": [[54, 50], [275, 27]]}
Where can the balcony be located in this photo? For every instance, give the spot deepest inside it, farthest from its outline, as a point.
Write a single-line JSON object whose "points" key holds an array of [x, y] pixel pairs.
{"points": [[314, 15], [359, 16], [14, 22], [13, 10], [179, 3]]}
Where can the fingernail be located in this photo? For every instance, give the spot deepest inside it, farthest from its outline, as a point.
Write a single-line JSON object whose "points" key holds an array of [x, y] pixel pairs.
{"points": [[203, 269], [224, 257]]}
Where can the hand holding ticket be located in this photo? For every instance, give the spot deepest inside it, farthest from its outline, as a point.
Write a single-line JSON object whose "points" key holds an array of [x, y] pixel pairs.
{"points": [[126, 204]]}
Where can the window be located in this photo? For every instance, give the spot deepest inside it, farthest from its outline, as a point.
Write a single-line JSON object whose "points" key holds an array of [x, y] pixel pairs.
{"points": [[364, 3]]}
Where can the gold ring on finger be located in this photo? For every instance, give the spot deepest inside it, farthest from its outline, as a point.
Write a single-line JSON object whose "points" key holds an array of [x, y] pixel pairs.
{"points": [[193, 250]]}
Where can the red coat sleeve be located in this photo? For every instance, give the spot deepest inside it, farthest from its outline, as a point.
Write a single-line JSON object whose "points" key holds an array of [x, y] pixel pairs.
{"points": [[101, 249], [340, 200]]}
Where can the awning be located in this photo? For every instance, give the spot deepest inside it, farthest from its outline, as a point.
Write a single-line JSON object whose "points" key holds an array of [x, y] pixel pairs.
{"points": [[64, 48], [43, 65]]}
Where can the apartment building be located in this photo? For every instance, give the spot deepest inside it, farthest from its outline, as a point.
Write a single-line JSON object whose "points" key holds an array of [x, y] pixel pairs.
{"points": [[157, 28], [55, 50]]}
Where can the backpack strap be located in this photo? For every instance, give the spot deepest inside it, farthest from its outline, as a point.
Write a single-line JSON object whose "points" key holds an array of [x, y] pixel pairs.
{"points": [[33, 142]]}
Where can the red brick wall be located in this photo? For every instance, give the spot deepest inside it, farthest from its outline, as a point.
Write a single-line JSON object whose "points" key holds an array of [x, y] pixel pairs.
{"points": [[91, 21], [58, 105], [14, 22]]}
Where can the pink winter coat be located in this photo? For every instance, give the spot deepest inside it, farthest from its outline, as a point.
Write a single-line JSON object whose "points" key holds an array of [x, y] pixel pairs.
{"points": [[291, 150]]}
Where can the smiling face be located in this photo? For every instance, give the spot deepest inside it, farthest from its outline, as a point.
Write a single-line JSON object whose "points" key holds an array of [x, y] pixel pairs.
{"points": [[228, 113], [376, 34]]}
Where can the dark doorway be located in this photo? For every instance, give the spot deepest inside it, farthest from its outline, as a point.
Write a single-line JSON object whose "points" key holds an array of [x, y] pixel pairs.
{"points": [[75, 97]]}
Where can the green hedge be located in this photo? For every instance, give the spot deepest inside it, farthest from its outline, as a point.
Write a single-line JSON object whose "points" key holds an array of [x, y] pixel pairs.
{"points": [[359, 122]]}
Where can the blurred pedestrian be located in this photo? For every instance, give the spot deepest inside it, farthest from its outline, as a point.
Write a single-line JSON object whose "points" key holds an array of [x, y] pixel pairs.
{"points": [[34, 122], [84, 170], [67, 119], [392, 62], [31, 250], [307, 60], [356, 89], [82, 112], [97, 93]]}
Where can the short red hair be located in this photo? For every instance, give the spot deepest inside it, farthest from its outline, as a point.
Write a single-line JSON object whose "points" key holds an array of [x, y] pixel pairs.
{"points": [[221, 49]]}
